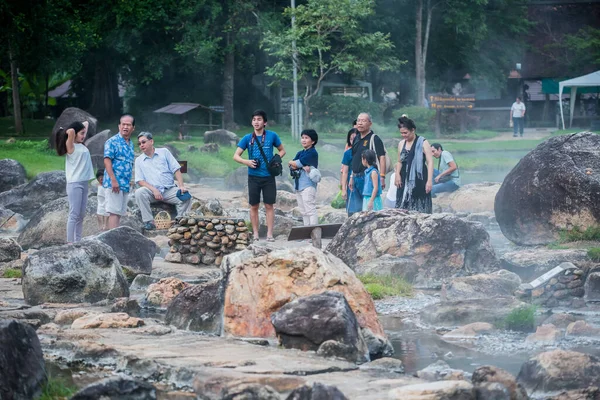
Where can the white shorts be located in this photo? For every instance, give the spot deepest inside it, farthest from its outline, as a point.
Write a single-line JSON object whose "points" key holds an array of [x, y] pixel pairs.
{"points": [[116, 203], [101, 209]]}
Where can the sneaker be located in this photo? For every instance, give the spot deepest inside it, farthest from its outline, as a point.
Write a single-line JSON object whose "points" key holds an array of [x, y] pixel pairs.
{"points": [[149, 226], [270, 239]]}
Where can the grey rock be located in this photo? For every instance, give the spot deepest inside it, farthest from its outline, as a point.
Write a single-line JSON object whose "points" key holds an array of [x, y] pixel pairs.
{"points": [[73, 273], [441, 245], [222, 137], [378, 346], [44, 188], [589, 393], [553, 187], [592, 287], [440, 370], [463, 312], [48, 226], [117, 388], [12, 174], [9, 250], [238, 179], [133, 250], [22, 365], [488, 374], [126, 305], [141, 282], [317, 391], [198, 308], [68, 116], [307, 322], [11, 222], [492, 391], [385, 364], [501, 283], [559, 370], [531, 263], [95, 145]]}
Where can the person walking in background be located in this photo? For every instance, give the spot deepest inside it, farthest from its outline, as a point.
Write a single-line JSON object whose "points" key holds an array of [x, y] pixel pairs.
{"points": [[446, 178], [517, 117], [79, 171], [372, 187], [118, 167], [154, 170], [260, 179], [101, 213], [302, 167], [414, 171]]}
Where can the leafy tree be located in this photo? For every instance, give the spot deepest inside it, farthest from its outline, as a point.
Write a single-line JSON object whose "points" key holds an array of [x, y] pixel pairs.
{"points": [[329, 39]]}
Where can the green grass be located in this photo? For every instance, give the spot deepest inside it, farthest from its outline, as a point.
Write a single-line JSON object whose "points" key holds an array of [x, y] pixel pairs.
{"points": [[557, 246], [12, 273], [594, 254], [473, 135], [577, 234], [57, 388], [380, 287], [34, 155], [520, 319]]}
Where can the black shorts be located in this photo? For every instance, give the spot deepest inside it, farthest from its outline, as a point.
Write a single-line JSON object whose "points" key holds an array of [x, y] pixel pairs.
{"points": [[264, 184]]}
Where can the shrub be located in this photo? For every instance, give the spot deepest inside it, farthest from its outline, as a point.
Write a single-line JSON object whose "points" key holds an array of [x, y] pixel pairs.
{"points": [[424, 118], [576, 234], [380, 286], [12, 273], [57, 388], [521, 319], [594, 254], [343, 109]]}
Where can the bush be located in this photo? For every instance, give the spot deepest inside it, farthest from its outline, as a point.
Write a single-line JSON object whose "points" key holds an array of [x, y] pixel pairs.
{"points": [[424, 118], [577, 235], [343, 109], [594, 254], [57, 388], [521, 319], [383, 286]]}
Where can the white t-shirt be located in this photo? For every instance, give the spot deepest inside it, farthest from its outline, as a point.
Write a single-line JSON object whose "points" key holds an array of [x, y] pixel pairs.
{"points": [[391, 193], [445, 160], [518, 110], [78, 165]]}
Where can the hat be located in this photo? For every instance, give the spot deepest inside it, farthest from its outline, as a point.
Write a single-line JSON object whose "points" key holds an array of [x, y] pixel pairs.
{"points": [[183, 196], [314, 175], [148, 135], [311, 133]]}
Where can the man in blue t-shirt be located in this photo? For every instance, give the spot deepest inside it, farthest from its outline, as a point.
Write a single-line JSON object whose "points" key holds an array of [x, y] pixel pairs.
{"points": [[259, 178]]}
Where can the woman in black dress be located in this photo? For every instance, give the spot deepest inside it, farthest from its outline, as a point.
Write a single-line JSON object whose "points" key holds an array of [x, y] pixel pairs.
{"points": [[414, 170]]}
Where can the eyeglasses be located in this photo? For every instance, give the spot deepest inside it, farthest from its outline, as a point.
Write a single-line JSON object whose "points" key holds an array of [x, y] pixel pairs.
{"points": [[143, 142], [362, 120]]}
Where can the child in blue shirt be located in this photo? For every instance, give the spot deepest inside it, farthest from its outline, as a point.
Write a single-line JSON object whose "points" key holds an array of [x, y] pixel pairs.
{"points": [[372, 188]]}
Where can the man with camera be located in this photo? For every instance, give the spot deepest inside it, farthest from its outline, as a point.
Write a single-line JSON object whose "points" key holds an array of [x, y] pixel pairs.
{"points": [[263, 166], [154, 170]]}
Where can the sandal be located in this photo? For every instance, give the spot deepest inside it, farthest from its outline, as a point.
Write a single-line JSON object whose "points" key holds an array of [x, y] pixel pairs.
{"points": [[270, 239]]}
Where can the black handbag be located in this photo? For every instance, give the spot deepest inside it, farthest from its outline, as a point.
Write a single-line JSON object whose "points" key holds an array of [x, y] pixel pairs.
{"points": [[274, 167]]}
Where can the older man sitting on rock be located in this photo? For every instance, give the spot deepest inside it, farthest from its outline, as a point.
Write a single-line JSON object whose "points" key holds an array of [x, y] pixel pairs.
{"points": [[154, 170]]}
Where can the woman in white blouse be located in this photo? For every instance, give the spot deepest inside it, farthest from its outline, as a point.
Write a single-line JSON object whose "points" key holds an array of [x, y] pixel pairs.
{"points": [[79, 171]]}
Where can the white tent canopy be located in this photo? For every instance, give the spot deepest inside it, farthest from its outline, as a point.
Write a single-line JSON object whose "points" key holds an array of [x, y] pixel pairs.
{"points": [[588, 80]]}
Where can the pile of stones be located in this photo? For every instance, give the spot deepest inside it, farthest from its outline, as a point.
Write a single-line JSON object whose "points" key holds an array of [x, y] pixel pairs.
{"points": [[199, 240], [562, 286]]}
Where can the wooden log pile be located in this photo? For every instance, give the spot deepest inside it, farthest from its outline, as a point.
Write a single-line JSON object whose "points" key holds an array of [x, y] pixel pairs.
{"points": [[199, 240]]}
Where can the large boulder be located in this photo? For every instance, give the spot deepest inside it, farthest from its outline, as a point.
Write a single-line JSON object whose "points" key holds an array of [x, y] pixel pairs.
{"points": [[95, 145], [592, 287], [11, 222], [22, 365], [222, 137], [552, 188], [238, 179], [48, 227], [260, 285], [427, 249], [9, 250], [308, 322], [531, 263], [27, 199], [489, 373], [133, 250], [483, 286], [316, 391], [463, 312], [12, 174], [198, 308], [84, 272], [560, 370], [470, 198], [442, 390], [68, 116], [117, 388]]}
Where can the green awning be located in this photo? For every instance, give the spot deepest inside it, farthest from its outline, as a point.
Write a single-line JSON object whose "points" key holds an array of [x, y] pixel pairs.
{"points": [[550, 86]]}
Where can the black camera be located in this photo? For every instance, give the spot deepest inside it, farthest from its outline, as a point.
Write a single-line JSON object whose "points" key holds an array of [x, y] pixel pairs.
{"points": [[257, 163], [295, 173]]}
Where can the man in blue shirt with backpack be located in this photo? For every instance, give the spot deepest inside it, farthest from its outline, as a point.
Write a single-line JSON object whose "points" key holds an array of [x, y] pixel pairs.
{"points": [[262, 169]]}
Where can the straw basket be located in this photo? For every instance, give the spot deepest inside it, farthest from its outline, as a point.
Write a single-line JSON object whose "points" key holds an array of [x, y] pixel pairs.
{"points": [[162, 220]]}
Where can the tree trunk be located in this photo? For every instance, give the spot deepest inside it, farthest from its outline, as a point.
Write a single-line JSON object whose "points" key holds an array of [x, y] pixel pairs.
{"points": [[105, 95], [16, 98], [228, 81], [419, 52]]}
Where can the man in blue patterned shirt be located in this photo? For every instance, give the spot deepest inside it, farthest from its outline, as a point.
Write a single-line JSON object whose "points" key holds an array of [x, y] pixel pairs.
{"points": [[118, 167]]}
